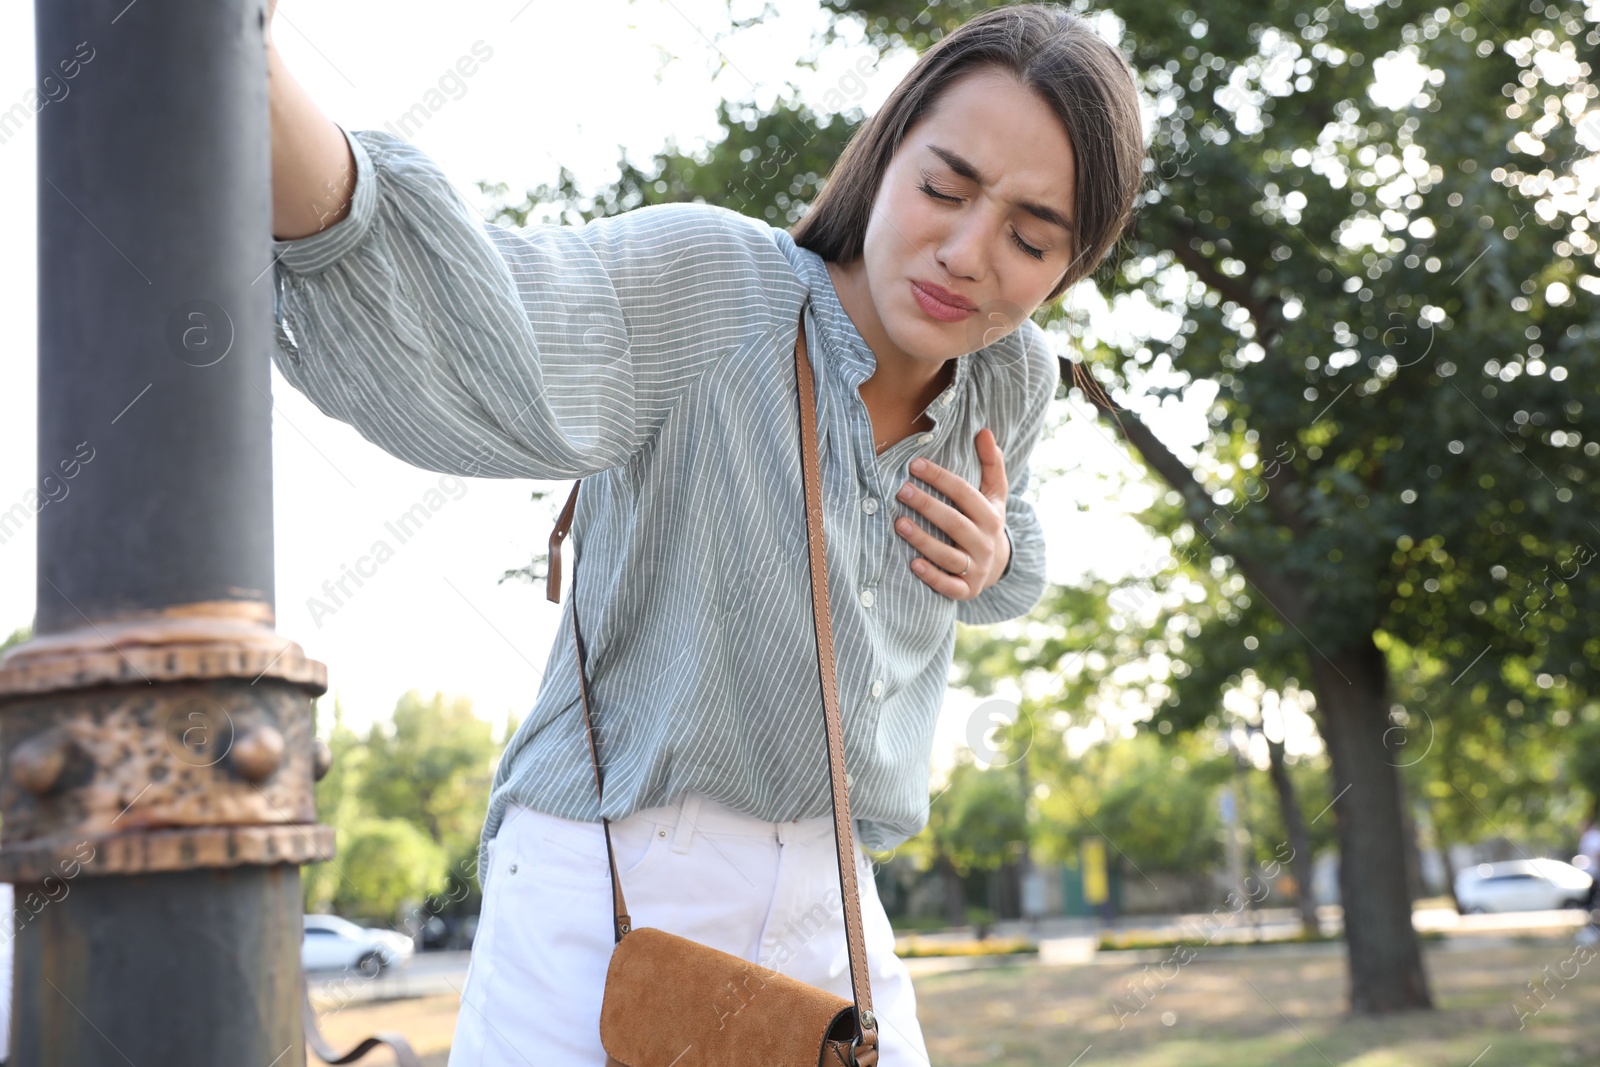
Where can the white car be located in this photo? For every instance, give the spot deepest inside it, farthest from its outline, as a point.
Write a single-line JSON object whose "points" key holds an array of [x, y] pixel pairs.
{"points": [[1521, 885], [333, 944]]}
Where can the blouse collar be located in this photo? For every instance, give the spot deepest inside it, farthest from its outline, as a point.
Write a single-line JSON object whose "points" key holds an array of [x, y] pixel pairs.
{"points": [[843, 346]]}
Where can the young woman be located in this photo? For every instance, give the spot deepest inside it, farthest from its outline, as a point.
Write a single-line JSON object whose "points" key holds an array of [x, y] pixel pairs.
{"points": [[651, 354]]}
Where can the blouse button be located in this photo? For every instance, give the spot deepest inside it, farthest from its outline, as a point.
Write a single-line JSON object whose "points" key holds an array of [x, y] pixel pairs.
{"points": [[944, 401], [866, 598], [877, 687], [870, 505], [924, 438]]}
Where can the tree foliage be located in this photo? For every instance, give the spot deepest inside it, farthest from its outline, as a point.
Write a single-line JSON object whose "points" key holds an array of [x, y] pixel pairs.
{"points": [[407, 804], [767, 164], [387, 866], [432, 765], [978, 822]]}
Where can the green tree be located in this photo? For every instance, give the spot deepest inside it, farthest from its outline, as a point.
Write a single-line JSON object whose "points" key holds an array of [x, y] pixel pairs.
{"points": [[977, 822], [1512, 772], [1355, 256], [766, 164], [387, 867], [1154, 804], [427, 769], [432, 765], [1105, 659]]}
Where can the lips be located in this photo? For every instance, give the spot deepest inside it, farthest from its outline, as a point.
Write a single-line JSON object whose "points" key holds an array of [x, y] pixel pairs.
{"points": [[940, 303]]}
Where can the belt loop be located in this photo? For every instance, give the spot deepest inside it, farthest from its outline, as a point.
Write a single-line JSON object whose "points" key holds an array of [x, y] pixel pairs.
{"points": [[688, 814]]}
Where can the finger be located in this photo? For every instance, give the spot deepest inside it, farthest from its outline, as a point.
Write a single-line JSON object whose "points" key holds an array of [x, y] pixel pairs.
{"points": [[952, 558], [993, 483], [961, 492], [960, 527], [941, 581]]}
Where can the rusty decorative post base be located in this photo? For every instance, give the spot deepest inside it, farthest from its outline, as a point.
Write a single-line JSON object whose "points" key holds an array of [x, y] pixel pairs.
{"points": [[159, 767]]}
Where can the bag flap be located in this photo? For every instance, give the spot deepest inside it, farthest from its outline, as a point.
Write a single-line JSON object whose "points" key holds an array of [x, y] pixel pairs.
{"points": [[670, 1000]]}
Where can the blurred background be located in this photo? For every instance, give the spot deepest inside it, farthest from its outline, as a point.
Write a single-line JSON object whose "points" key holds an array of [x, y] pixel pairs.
{"points": [[1293, 763]]}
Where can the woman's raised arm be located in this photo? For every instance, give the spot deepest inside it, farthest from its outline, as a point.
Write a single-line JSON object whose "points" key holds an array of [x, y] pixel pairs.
{"points": [[313, 171], [548, 351]]}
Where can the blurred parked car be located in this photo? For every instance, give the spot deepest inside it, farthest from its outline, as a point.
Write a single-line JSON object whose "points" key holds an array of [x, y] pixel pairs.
{"points": [[333, 944], [1522, 885]]}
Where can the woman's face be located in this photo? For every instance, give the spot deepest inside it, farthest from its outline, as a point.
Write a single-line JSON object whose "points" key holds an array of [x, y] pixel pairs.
{"points": [[972, 225]]}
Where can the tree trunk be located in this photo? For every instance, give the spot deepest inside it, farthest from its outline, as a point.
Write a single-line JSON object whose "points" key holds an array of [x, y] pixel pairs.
{"points": [[1294, 825], [1443, 841], [1414, 881], [1386, 972]]}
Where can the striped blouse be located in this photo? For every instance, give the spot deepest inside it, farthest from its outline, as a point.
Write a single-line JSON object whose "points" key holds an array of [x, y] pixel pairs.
{"points": [[652, 354]]}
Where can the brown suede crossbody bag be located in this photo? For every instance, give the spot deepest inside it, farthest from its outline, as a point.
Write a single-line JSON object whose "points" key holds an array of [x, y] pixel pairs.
{"points": [[667, 998]]}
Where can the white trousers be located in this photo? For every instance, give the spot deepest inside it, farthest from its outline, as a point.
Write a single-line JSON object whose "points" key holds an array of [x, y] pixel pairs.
{"points": [[767, 892]]}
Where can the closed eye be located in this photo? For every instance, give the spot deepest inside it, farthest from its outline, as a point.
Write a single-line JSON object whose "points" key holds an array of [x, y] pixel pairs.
{"points": [[1027, 249], [1016, 238]]}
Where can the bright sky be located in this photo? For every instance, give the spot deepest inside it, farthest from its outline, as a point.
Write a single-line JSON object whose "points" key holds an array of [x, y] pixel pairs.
{"points": [[566, 84]]}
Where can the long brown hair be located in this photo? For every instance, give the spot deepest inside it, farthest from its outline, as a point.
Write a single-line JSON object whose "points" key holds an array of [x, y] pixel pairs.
{"points": [[1084, 80]]}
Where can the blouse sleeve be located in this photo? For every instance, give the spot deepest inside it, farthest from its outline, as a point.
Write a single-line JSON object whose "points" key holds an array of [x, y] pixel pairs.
{"points": [[1032, 386], [546, 351]]}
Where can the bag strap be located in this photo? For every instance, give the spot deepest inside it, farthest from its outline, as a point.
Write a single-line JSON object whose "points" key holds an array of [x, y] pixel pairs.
{"points": [[843, 835], [844, 838]]}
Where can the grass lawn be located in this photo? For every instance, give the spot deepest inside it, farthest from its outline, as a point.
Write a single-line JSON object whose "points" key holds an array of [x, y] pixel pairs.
{"points": [[1282, 1012]]}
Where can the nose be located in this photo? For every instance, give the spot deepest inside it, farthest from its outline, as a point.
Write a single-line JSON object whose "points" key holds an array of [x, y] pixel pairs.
{"points": [[963, 252]]}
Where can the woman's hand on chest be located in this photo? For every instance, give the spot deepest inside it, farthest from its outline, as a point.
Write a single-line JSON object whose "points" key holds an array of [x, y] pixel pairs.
{"points": [[975, 520]]}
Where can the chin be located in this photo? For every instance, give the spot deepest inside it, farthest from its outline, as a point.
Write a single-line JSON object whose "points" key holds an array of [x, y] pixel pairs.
{"points": [[917, 334]]}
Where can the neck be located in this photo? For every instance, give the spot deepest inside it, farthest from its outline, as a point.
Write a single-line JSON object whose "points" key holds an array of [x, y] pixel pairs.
{"points": [[899, 378]]}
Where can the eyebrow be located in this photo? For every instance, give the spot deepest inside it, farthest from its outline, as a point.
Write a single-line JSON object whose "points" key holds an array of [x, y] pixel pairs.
{"points": [[965, 169]]}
